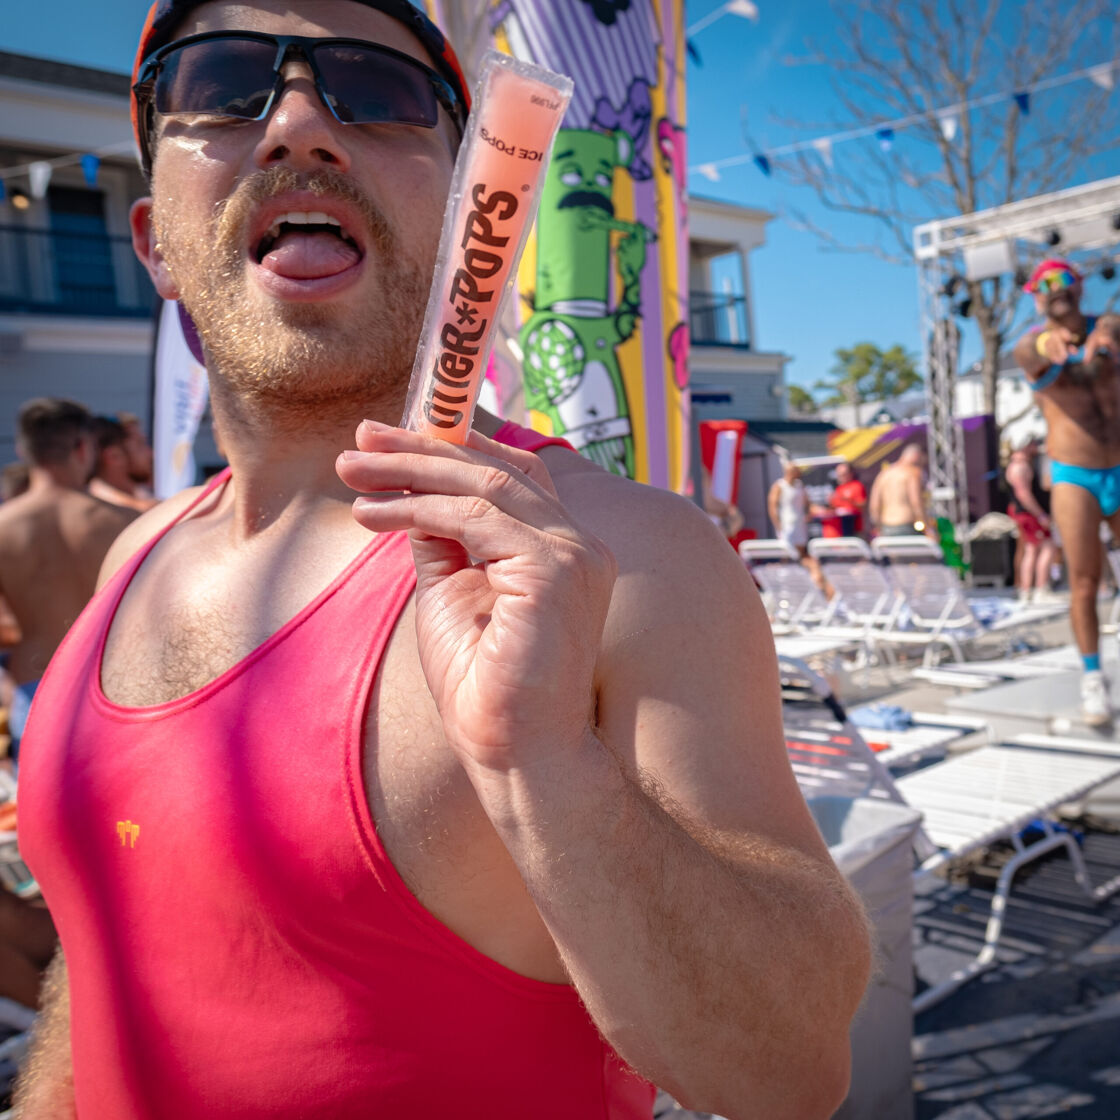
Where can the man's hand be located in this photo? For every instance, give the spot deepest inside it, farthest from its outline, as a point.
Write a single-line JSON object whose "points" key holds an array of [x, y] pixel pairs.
{"points": [[511, 595], [1057, 344]]}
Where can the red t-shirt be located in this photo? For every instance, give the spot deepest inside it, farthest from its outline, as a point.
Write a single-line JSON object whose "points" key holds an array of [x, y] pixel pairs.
{"points": [[847, 499]]}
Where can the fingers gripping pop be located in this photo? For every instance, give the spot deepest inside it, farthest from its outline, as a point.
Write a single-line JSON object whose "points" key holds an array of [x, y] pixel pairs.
{"points": [[511, 594]]}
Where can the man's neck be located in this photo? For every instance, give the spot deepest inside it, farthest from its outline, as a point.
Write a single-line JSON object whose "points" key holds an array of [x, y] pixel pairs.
{"points": [[1072, 321], [53, 477]]}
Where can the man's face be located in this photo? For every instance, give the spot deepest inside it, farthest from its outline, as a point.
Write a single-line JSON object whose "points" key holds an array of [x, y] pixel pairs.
{"points": [[843, 473], [138, 454], [1061, 301], [302, 317]]}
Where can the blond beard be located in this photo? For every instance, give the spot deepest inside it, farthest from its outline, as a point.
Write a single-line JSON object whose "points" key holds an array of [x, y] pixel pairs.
{"points": [[295, 357]]}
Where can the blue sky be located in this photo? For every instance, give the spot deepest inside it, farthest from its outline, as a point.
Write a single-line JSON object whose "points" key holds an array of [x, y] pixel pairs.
{"points": [[809, 299]]}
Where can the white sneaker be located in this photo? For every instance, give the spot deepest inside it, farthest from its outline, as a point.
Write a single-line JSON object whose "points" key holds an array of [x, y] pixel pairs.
{"points": [[1095, 710]]}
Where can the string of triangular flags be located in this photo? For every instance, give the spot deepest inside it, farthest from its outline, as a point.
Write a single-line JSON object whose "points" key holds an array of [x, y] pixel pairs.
{"points": [[39, 172], [1103, 74]]}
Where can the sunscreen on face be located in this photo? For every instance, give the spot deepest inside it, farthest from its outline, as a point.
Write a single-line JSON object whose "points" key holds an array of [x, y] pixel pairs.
{"points": [[516, 110]]}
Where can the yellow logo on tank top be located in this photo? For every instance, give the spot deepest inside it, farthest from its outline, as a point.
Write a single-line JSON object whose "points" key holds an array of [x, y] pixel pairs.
{"points": [[128, 832]]}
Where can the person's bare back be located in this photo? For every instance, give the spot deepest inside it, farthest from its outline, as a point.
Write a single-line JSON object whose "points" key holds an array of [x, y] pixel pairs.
{"points": [[52, 542], [896, 496]]}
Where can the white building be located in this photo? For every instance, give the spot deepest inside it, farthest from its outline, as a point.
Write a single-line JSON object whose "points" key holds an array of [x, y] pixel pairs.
{"points": [[76, 307], [732, 378]]}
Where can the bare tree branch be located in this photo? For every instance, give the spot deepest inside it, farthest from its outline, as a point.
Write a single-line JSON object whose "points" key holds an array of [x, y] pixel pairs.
{"points": [[894, 59]]}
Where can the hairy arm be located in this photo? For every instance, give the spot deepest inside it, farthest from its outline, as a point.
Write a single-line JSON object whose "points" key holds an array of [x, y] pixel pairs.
{"points": [[624, 737], [693, 902], [45, 1089]]}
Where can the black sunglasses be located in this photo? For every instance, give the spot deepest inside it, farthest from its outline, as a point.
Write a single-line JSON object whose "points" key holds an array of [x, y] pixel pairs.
{"points": [[238, 74]]}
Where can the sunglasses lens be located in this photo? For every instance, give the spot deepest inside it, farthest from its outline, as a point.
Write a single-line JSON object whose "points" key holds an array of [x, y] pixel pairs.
{"points": [[367, 87], [217, 77]]}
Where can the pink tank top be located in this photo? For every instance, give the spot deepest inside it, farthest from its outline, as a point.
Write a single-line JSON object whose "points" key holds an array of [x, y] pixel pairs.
{"points": [[239, 944]]}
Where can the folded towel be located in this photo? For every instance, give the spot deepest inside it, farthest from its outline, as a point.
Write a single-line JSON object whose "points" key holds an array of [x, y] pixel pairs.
{"points": [[882, 717]]}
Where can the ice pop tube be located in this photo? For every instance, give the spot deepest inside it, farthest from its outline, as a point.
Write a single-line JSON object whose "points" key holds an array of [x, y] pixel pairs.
{"points": [[517, 108]]}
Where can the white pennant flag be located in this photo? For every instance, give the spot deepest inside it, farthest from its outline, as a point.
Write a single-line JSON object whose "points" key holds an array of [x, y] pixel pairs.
{"points": [[949, 123], [1103, 76], [823, 148], [709, 171], [39, 173], [181, 390]]}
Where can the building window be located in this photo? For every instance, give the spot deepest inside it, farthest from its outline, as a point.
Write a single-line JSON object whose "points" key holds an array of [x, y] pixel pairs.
{"points": [[82, 250]]}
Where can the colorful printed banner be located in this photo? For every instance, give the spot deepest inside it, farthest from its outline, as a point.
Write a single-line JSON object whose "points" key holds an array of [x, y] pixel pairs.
{"points": [[601, 323], [181, 392]]}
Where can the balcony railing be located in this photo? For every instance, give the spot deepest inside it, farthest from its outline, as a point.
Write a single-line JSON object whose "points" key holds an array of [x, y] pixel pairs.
{"points": [[716, 319], [51, 272]]}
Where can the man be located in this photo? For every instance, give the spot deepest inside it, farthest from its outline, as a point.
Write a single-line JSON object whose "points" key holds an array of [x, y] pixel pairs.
{"points": [[399, 806], [1029, 509], [788, 507], [53, 538], [1073, 364], [848, 501], [118, 476], [897, 505]]}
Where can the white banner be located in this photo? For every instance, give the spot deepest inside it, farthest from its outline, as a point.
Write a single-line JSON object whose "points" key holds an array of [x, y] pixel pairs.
{"points": [[181, 391]]}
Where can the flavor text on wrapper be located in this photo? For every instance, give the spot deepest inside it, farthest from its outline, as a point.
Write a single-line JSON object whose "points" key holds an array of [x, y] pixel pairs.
{"points": [[471, 306]]}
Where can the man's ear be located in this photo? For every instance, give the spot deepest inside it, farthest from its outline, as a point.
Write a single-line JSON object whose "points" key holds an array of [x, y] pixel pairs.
{"points": [[145, 247]]}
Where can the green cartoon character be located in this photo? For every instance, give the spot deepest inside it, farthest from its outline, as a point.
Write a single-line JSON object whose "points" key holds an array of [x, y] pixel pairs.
{"points": [[571, 368]]}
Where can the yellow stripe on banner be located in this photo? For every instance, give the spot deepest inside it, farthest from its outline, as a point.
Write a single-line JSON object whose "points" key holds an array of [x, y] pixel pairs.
{"points": [[856, 442], [670, 236]]}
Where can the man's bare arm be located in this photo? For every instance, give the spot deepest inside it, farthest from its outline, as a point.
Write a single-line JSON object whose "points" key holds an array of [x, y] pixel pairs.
{"points": [[45, 1089], [639, 780], [875, 501]]}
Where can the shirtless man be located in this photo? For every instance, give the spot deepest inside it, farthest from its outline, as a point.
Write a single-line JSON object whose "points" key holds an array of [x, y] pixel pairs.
{"points": [[116, 477], [897, 505], [401, 805], [1073, 364], [53, 538]]}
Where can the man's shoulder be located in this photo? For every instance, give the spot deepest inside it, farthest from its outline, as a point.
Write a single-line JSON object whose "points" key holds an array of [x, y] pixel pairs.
{"points": [[141, 527], [660, 534]]}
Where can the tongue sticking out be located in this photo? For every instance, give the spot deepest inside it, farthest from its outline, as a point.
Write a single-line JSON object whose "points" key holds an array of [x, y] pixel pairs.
{"points": [[309, 256]]}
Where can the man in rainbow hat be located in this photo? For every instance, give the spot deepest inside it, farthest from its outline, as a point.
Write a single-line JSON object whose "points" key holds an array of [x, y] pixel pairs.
{"points": [[1072, 362], [418, 780]]}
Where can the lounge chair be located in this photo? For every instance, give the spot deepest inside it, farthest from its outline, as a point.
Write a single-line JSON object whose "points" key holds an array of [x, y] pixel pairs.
{"points": [[935, 599], [968, 802], [865, 597], [793, 601]]}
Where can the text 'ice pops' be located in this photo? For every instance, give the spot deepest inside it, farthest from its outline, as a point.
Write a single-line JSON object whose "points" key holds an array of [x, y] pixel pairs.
{"points": [[516, 111]]}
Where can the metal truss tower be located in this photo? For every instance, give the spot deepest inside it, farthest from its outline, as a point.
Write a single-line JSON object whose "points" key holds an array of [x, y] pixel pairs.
{"points": [[980, 246]]}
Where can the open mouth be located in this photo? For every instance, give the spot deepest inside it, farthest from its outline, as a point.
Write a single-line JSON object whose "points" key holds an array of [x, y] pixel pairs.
{"points": [[307, 245]]}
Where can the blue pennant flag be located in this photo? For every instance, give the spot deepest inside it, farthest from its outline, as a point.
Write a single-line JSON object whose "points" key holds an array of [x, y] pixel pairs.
{"points": [[885, 136], [1023, 100], [90, 165], [763, 164], [693, 53]]}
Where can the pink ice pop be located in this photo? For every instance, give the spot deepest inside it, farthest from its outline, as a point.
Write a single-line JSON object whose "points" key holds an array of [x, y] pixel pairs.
{"points": [[517, 108]]}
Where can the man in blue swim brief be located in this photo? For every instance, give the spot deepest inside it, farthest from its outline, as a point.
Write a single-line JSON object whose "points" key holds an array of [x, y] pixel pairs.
{"points": [[1072, 362]]}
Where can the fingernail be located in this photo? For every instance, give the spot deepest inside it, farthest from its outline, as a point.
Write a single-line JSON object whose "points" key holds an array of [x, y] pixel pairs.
{"points": [[349, 455], [376, 426]]}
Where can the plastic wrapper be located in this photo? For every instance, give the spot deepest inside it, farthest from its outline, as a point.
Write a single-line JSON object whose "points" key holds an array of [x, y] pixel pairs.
{"points": [[495, 189]]}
